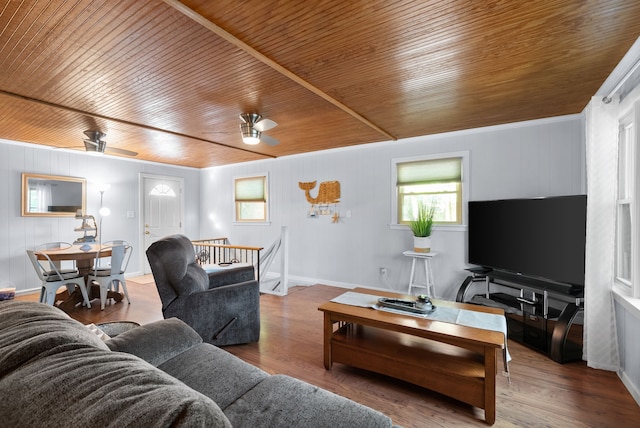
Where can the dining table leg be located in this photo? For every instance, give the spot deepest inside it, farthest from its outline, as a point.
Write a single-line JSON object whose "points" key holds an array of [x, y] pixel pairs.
{"points": [[70, 301]]}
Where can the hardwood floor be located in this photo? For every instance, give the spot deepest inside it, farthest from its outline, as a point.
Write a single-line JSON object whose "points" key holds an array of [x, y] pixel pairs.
{"points": [[542, 393]]}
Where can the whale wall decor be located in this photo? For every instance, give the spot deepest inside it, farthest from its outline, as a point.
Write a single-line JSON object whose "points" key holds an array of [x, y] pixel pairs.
{"points": [[328, 192], [326, 202]]}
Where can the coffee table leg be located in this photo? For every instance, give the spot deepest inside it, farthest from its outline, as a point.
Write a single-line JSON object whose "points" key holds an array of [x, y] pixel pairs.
{"points": [[328, 332], [490, 371]]}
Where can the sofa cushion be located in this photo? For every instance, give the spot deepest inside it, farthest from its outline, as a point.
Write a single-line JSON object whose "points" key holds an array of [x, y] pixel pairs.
{"points": [[74, 386], [214, 372], [282, 401], [156, 342], [54, 371], [28, 329]]}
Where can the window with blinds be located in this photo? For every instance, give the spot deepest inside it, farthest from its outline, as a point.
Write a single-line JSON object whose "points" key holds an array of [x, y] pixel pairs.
{"points": [[432, 182], [250, 194]]}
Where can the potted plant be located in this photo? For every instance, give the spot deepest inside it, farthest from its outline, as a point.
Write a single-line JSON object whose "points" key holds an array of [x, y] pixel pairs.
{"points": [[421, 227]]}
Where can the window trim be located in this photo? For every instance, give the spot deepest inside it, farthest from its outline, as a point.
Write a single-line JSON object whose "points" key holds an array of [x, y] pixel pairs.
{"points": [[238, 222], [635, 214], [464, 155], [625, 288]]}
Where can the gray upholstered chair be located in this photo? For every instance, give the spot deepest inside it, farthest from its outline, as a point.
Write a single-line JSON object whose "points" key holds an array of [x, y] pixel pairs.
{"points": [[222, 306]]}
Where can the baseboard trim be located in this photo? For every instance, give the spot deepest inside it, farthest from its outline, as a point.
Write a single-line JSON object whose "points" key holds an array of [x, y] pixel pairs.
{"points": [[634, 390], [307, 281]]}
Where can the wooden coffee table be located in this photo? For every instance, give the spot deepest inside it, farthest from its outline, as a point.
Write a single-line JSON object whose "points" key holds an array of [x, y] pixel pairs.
{"points": [[451, 359]]}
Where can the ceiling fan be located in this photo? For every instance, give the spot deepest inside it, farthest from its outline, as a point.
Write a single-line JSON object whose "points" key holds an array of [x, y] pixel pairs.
{"points": [[95, 144], [253, 127]]}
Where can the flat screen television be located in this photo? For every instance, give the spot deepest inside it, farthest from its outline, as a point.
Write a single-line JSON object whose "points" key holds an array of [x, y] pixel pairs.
{"points": [[542, 238]]}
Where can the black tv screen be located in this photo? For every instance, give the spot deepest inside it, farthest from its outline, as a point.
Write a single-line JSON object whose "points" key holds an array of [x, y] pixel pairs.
{"points": [[542, 238]]}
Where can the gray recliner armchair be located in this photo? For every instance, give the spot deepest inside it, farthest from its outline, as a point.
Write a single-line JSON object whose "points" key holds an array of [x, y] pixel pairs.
{"points": [[222, 306]]}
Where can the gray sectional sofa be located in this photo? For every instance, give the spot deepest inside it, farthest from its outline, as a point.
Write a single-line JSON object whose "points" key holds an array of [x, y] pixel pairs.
{"points": [[55, 372]]}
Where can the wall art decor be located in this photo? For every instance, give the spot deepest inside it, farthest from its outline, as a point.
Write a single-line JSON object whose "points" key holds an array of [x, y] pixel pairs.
{"points": [[326, 202]]}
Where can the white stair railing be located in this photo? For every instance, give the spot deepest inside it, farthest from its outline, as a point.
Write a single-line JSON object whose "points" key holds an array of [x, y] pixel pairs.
{"points": [[269, 283]]}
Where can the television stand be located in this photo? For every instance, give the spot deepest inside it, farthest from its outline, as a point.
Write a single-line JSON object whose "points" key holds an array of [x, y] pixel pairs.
{"points": [[477, 274], [545, 316]]}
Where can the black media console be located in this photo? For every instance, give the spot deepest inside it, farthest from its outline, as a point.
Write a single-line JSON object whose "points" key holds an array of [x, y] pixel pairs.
{"points": [[545, 316]]}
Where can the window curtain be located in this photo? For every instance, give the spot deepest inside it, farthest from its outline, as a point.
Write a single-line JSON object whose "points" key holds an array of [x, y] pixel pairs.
{"points": [[43, 197], [600, 338]]}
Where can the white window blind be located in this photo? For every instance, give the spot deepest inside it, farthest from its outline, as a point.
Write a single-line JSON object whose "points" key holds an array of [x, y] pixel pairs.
{"points": [[435, 182], [250, 189], [250, 196], [430, 172]]}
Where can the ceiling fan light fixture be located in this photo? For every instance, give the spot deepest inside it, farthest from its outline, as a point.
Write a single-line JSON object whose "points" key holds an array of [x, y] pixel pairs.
{"points": [[250, 135]]}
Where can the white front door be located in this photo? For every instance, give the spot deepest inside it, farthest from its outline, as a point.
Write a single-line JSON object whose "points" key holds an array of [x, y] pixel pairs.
{"points": [[162, 210]]}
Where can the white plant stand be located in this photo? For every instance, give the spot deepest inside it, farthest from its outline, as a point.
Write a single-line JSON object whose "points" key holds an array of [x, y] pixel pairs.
{"points": [[428, 283]]}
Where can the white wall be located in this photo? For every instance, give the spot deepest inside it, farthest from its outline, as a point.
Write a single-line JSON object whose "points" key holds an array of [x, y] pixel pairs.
{"points": [[538, 158], [628, 323], [19, 233]]}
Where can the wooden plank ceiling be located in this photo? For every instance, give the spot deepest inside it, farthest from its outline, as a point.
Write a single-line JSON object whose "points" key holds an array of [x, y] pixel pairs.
{"points": [[169, 79]]}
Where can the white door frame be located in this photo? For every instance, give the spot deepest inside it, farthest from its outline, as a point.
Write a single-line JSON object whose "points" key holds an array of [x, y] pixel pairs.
{"points": [[141, 186]]}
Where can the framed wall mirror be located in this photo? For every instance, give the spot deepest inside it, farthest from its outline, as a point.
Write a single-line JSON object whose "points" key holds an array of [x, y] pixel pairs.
{"points": [[52, 195]]}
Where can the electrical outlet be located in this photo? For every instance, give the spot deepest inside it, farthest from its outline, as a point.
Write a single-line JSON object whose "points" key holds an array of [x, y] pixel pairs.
{"points": [[383, 271]]}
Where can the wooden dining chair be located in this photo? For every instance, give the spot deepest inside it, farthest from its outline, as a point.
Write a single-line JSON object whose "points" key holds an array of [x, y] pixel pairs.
{"points": [[53, 278]]}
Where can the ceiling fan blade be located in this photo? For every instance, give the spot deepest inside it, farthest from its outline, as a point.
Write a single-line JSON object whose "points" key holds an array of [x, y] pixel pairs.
{"points": [[70, 148], [265, 125], [270, 141], [120, 151]]}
